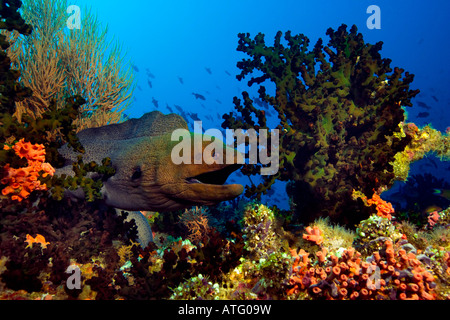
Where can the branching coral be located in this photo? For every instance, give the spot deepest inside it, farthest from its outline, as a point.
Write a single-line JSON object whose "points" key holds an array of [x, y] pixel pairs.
{"points": [[196, 220], [56, 63], [339, 108], [91, 187], [49, 129]]}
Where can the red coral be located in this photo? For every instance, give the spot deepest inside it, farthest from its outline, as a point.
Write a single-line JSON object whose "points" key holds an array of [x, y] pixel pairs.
{"points": [[22, 181], [433, 218]]}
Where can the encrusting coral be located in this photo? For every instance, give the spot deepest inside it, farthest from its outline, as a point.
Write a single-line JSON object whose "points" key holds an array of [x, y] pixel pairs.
{"points": [[339, 110], [423, 142], [22, 181]]}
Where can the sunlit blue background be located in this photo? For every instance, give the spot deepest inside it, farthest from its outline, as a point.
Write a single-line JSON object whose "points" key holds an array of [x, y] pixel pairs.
{"points": [[180, 39]]}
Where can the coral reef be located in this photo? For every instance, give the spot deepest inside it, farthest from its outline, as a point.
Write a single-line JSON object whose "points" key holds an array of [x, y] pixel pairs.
{"points": [[44, 132], [56, 64], [417, 197], [196, 221], [424, 141], [391, 274], [40, 243], [258, 264], [10, 91], [240, 249], [339, 108], [21, 182]]}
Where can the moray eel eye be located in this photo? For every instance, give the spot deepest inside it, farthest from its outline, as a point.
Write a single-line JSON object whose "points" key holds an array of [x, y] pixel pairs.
{"points": [[136, 174]]}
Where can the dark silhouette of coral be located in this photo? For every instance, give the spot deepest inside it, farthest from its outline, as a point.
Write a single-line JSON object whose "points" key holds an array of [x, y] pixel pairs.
{"points": [[417, 197], [10, 91], [339, 110]]}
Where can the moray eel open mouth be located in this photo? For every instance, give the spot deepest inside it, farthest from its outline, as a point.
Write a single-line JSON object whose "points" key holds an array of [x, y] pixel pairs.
{"points": [[218, 177], [206, 188]]}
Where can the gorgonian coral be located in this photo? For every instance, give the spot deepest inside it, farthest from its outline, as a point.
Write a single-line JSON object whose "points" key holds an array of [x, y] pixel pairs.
{"points": [[339, 107]]}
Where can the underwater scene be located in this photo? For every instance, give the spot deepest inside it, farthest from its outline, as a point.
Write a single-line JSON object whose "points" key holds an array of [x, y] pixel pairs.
{"points": [[224, 150]]}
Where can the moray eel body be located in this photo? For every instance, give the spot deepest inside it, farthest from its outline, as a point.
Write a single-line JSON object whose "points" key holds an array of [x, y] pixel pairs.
{"points": [[146, 179]]}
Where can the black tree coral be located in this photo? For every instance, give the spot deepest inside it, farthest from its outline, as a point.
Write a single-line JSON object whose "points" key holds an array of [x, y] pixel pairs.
{"points": [[10, 92], [339, 110]]}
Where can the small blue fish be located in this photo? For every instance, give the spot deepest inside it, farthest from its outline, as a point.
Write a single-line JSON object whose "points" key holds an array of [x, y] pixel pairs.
{"points": [[155, 102]]}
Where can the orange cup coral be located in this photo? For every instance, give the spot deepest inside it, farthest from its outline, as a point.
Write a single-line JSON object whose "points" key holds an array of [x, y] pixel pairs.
{"points": [[22, 181], [313, 234], [384, 209]]}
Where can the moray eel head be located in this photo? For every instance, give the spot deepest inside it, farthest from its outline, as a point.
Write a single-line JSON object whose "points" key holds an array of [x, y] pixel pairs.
{"points": [[151, 180], [147, 178]]}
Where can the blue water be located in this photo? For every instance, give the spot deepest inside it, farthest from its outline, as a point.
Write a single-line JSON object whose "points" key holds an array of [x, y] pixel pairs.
{"points": [[183, 40]]}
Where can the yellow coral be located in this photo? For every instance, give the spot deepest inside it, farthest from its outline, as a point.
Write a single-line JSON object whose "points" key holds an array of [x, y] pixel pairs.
{"points": [[424, 141]]}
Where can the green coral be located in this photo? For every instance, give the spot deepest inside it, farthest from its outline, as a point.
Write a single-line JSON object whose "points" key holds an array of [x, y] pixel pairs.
{"points": [[372, 233], [339, 109], [196, 288], [91, 187], [268, 255]]}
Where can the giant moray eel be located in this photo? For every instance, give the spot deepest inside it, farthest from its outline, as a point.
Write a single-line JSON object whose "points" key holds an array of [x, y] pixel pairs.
{"points": [[146, 179]]}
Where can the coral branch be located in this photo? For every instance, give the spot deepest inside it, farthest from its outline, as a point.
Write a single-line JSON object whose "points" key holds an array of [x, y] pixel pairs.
{"points": [[339, 109]]}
